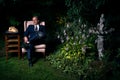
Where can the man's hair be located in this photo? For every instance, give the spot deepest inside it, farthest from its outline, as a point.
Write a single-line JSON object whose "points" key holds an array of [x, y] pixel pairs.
{"points": [[36, 17]]}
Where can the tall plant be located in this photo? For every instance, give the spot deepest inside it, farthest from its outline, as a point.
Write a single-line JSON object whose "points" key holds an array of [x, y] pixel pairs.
{"points": [[76, 39], [13, 21]]}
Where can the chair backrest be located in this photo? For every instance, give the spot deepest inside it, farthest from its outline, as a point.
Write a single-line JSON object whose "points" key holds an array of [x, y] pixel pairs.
{"points": [[27, 23]]}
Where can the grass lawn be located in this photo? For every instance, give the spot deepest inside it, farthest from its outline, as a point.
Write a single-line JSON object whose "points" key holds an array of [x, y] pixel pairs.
{"points": [[16, 69]]}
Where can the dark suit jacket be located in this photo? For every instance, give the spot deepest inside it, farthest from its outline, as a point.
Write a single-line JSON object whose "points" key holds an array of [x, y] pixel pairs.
{"points": [[31, 32]]}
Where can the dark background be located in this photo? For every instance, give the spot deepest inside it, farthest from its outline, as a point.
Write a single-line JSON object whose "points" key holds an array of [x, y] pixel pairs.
{"points": [[21, 10], [49, 10]]}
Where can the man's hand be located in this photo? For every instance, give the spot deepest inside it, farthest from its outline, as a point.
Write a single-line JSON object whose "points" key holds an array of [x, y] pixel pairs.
{"points": [[26, 40]]}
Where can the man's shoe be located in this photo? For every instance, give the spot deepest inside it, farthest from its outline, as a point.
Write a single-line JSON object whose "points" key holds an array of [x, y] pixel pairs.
{"points": [[30, 64]]}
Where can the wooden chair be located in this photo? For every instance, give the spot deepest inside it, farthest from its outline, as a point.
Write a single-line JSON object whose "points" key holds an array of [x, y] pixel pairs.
{"points": [[38, 48]]}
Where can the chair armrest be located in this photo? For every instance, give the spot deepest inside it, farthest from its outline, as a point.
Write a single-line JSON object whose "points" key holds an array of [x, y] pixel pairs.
{"points": [[40, 50], [41, 46]]}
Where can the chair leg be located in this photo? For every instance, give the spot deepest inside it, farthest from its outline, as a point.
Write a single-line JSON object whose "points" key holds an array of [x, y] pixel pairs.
{"points": [[18, 46], [44, 54], [23, 55], [6, 55], [18, 55], [6, 47]]}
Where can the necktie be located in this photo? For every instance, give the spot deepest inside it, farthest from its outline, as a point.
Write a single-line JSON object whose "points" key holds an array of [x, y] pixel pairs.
{"points": [[36, 28]]}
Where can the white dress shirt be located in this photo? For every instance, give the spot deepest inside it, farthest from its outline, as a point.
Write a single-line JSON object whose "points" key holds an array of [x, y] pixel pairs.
{"points": [[36, 28]]}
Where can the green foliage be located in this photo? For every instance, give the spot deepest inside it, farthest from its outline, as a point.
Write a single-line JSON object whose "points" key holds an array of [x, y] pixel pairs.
{"points": [[87, 68], [87, 10], [74, 34], [13, 21], [16, 69], [71, 55]]}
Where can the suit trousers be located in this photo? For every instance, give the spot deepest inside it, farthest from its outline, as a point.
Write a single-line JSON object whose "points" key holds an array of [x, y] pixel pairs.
{"points": [[30, 51]]}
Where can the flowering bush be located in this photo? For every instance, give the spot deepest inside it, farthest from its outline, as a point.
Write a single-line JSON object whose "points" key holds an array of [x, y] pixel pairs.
{"points": [[71, 54], [78, 42]]}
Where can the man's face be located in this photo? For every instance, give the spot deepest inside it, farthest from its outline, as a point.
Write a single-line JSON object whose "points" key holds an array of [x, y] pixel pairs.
{"points": [[35, 20]]}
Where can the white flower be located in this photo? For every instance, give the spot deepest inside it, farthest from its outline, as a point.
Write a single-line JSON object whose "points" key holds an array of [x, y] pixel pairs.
{"points": [[72, 38], [87, 35], [83, 36], [68, 25], [67, 38], [84, 49], [76, 37], [66, 49], [64, 32], [58, 36], [84, 30], [62, 41], [74, 43], [79, 20], [106, 32], [84, 25], [90, 31], [79, 32]]}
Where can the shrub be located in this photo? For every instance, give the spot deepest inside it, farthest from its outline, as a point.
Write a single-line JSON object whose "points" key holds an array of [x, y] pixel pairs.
{"points": [[76, 54], [71, 54]]}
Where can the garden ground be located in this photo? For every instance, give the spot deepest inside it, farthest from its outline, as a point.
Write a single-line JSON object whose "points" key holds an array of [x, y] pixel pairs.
{"points": [[15, 69]]}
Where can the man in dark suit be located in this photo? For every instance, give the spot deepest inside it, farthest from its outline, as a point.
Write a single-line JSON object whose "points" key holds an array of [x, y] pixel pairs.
{"points": [[29, 35]]}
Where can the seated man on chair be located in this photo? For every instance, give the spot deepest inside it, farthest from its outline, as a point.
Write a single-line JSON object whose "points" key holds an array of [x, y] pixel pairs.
{"points": [[29, 37]]}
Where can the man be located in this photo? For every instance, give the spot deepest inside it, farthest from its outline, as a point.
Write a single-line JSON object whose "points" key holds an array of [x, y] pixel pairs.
{"points": [[30, 34]]}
